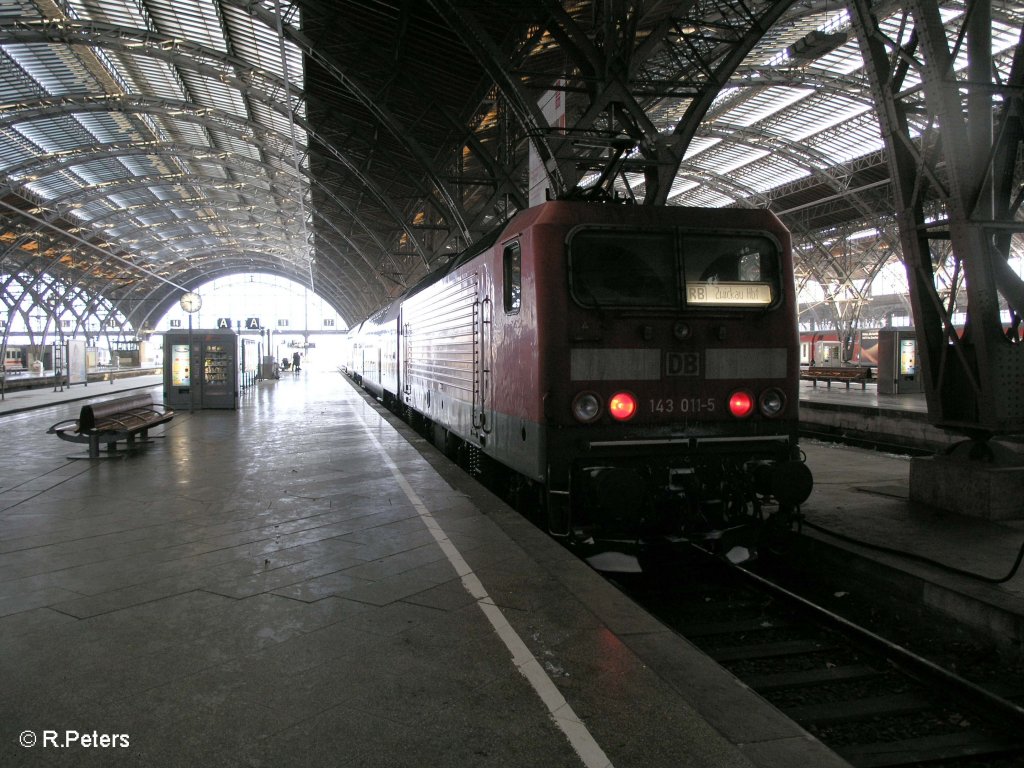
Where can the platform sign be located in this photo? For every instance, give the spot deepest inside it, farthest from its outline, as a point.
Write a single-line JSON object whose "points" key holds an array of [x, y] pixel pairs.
{"points": [[224, 322], [252, 324]]}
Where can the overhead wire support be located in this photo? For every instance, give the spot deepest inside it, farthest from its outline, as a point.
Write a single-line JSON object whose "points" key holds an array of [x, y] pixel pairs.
{"points": [[295, 146]]}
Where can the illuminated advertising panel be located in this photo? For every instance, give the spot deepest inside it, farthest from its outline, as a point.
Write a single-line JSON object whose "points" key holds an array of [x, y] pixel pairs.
{"points": [[908, 357], [180, 375]]}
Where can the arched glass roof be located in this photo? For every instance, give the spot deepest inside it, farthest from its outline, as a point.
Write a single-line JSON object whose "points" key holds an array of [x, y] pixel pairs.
{"points": [[147, 146]]}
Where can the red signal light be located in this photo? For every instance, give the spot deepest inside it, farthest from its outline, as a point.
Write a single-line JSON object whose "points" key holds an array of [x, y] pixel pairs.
{"points": [[741, 404], [622, 406]]}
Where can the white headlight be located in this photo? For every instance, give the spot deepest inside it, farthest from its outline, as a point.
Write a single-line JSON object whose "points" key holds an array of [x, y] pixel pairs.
{"points": [[586, 407], [772, 402]]}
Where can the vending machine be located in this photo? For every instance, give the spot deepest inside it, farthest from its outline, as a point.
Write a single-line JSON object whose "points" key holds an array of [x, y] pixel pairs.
{"points": [[203, 372]]}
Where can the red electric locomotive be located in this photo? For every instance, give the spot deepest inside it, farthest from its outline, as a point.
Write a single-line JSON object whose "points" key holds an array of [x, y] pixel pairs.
{"points": [[636, 366]]}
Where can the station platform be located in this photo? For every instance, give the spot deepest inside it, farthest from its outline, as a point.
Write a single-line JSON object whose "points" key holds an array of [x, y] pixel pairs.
{"points": [[856, 413], [305, 581]]}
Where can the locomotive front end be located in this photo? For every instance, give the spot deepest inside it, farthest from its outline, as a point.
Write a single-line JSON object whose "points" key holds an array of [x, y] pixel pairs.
{"points": [[677, 417]]}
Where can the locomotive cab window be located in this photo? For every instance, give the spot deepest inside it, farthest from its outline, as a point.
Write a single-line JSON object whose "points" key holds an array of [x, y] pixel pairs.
{"points": [[512, 267], [730, 271], [620, 268]]}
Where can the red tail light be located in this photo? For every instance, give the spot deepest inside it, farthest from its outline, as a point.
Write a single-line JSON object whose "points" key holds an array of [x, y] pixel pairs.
{"points": [[741, 404], [622, 406]]}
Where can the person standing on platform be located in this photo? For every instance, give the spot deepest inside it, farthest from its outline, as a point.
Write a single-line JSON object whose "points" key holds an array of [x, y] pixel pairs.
{"points": [[296, 359]]}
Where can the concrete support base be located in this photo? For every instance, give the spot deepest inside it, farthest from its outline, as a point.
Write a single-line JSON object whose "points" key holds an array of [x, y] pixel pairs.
{"points": [[968, 487]]}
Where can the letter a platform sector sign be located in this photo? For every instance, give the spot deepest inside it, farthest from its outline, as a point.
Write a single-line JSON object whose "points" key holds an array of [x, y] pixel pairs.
{"points": [[252, 324], [224, 322]]}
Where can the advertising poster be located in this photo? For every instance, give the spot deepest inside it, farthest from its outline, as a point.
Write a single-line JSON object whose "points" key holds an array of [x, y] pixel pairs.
{"points": [[908, 357], [77, 369], [180, 376], [869, 347]]}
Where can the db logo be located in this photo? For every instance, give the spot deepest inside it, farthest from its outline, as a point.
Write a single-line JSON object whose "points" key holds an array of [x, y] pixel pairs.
{"points": [[682, 364]]}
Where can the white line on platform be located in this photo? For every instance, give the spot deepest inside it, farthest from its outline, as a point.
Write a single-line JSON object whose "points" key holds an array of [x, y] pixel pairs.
{"points": [[565, 718]]}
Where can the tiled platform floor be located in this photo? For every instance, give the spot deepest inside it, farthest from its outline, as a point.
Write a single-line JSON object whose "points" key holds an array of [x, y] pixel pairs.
{"points": [[293, 583]]}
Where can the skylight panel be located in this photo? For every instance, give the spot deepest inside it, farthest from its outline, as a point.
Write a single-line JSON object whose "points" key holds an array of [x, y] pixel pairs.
{"points": [[213, 93], [90, 210], [54, 68], [769, 173], [124, 13], [705, 196], [153, 77], [240, 147], [148, 165], [213, 170], [820, 115], [260, 44], [15, 149], [850, 140], [16, 86], [154, 218], [185, 132], [193, 20], [55, 185], [55, 134], [844, 60], [275, 121], [700, 144], [764, 105], [107, 128], [99, 171], [681, 186], [729, 157]]}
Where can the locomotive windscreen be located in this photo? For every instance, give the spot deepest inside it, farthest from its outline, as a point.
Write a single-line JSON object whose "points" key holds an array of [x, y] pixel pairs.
{"points": [[621, 268], [616, 268]]}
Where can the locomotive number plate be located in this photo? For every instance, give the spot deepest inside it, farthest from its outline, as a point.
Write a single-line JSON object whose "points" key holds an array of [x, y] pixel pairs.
{"points": [[683, 405]]}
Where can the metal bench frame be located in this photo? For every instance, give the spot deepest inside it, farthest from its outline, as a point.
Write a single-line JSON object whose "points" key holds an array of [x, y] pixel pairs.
{"points": [[109, 421]]}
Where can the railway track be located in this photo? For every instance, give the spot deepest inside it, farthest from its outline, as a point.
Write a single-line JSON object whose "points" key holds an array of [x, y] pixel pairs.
{"points": [[872, 702]]}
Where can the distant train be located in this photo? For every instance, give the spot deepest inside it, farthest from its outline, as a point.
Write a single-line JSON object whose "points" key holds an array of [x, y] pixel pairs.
{"points": [[15, 359], [634, 370]]}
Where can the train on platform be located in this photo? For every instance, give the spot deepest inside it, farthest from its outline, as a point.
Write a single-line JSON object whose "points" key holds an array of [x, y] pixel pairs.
{"points": [[631, 372]]}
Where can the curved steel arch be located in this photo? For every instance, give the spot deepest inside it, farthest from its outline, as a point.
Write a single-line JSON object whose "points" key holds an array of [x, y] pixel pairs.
{"points": [[352, 85], [188, 56]]}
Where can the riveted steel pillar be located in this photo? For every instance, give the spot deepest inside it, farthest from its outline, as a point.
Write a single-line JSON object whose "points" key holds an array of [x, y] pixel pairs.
{"points": [[944, 176]]}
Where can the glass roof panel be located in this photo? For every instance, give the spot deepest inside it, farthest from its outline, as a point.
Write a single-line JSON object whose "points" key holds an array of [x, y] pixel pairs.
{"points": [[124, 13], [193, 20]]}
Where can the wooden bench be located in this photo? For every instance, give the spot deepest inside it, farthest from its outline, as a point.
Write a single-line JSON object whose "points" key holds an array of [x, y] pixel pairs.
{"points": [[108, 421], [856, 374]]}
